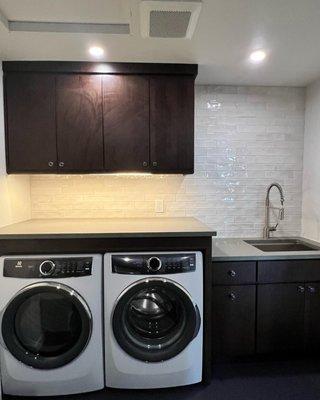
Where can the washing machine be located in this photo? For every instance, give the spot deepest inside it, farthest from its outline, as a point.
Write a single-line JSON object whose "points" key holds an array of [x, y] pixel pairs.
{"points": [[153, 319], [51, 324]]}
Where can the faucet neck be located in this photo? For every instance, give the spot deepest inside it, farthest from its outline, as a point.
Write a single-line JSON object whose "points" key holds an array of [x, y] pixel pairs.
{"points": [[267, 228], [279, 187]]}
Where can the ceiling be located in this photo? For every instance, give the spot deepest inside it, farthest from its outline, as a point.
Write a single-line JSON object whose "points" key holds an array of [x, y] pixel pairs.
{"points": [[227, 31]]}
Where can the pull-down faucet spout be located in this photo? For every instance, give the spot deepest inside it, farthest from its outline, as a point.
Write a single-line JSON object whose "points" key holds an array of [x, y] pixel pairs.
{"points": [[267, 228]]}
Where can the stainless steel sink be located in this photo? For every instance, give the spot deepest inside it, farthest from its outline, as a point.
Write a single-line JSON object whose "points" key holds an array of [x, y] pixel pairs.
{"points": [[269, 245]]}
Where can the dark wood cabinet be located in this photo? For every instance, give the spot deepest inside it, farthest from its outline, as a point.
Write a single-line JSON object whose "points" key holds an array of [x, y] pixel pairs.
{"points": [[275, 311], [280, 318], [312, 318], [172, 124], [30, 123], [288, 271], [234, 273], [126, 122], [79, 123], [233, 323], [93, 117]]}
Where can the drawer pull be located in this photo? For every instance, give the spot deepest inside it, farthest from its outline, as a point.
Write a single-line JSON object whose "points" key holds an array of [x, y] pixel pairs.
{"points": [[232, 296], [301, 289], [311, 289], [232, 273]]}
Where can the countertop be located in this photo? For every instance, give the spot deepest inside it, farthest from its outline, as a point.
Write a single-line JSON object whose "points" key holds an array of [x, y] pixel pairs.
{"points": [[106, 228], [239, 250]]}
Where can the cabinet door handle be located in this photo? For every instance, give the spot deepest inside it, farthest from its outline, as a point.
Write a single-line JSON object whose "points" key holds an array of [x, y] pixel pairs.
{"points": [[50, 163], [232, 273], [155, 164], [61, 164], [145, 164], [232, 296], [301, 289], [311, 289]]}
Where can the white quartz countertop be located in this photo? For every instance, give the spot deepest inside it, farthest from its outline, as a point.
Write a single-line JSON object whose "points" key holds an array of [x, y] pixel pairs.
{"points": [[239, 250], [108, 227]]}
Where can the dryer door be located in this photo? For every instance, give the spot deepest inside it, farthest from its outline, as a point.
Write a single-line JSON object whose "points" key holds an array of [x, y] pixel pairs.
{"points": [[155, 319], [46, 325]]}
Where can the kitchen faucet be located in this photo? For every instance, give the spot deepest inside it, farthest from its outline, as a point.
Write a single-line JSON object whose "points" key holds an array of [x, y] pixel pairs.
{"points": [[267, 228]]}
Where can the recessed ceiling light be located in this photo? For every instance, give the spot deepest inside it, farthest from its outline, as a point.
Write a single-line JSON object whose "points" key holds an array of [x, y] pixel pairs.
{"points": [[96, 51], [257, 56]]}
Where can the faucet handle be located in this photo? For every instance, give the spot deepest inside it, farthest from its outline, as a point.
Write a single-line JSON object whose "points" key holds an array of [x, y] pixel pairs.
{"points": [[281, 213]]}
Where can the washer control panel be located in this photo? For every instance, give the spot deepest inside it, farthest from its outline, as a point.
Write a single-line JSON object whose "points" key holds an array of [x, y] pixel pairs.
{"points": [[153, 264], [47, 268]]}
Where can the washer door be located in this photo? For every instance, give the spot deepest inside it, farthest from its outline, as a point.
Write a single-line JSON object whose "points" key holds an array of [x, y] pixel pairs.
{"points": [[155, 319], [46, 325]]}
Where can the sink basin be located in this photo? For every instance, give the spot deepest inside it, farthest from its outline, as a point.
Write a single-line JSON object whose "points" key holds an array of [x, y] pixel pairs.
{"points": [[282, 245]]}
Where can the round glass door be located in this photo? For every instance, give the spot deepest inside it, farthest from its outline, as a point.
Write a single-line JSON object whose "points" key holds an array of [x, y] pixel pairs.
{"points": [[46, 325], [155, 319]]}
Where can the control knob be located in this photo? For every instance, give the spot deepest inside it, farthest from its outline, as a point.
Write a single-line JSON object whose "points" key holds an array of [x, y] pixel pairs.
{"points": [[154, 264], [47, 268]]}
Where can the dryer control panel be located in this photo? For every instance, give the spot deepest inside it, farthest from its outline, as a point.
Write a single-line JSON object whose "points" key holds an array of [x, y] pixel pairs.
{"points": [[47, 268], [153, 264]]}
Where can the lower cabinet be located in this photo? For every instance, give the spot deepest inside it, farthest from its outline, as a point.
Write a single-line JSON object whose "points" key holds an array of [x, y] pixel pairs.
{"points": [[280, 318], [312, 318], [234, 320], [271, 312], [288, 318]]}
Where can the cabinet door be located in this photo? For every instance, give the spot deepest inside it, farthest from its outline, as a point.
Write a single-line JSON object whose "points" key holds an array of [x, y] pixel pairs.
{"points": [[280, 318], [312, 318], [234, 320], [126, 122], [30, 122], [79, 123], [172, 124]]}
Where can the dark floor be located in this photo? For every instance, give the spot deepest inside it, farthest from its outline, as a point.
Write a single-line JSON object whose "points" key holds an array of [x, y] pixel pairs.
{"points": [[289, 380]]}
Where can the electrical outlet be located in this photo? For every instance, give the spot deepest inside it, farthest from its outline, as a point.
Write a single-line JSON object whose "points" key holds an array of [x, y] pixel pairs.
{"points": [[159, 206]]}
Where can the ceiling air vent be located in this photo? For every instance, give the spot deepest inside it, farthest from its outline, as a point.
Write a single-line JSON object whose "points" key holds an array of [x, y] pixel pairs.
{"points": [[169, 18]]}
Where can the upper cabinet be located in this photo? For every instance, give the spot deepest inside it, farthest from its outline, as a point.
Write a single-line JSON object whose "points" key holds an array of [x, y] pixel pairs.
{"points": [[79, 123], [126, 122], [171, 124], [30, 123], [85, 117]]}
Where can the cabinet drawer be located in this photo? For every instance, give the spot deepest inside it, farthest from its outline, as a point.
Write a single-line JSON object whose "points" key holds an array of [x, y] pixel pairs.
{"points": [[289, 271], [232, 273]]}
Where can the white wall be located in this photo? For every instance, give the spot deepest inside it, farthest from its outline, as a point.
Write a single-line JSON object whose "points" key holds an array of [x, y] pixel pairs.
{"points": [[311, 177], [246, 138], [14, 190]]}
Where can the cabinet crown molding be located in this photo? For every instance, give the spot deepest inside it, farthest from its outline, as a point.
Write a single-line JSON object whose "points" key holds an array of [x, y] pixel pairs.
{"points": [[79, 67]]}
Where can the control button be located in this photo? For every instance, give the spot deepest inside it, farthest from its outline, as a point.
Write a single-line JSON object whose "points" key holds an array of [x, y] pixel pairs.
{"points": [[58, 268], [87, 266], [72, 267], [47, 268], [80, 266], [154, 264]]}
